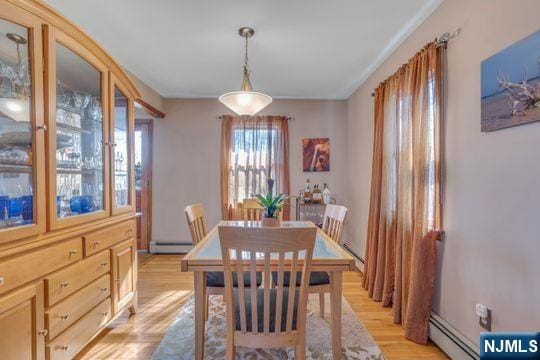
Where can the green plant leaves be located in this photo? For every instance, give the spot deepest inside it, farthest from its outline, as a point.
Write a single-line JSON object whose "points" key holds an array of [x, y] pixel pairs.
{"points": [[271, 204]]}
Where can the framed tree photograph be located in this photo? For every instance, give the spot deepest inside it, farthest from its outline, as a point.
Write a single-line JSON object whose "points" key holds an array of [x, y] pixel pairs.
{"points": [[511, 85]]}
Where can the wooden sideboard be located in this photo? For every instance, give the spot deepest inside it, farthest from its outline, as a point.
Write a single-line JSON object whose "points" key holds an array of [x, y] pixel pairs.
{"points": [[68, 261]]}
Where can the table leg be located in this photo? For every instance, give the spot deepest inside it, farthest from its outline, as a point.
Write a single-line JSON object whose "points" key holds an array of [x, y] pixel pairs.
{"points": [[335, 306], [200, 312]]}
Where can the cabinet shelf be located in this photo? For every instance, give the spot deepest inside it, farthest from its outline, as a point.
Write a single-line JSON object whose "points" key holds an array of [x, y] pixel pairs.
{"points": [[72, 128], [66, 170], [15, 168]]}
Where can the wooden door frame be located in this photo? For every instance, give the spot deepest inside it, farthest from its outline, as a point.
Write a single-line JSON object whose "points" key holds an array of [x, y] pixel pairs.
{"points": [[149, 124]]}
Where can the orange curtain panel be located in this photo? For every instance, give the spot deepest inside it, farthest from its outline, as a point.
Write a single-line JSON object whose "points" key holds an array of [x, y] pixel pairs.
{"points": [[405, 203]]}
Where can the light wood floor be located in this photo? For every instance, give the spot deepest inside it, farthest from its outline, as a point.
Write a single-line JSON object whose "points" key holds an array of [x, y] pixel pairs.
{"points": [[163, 289]]}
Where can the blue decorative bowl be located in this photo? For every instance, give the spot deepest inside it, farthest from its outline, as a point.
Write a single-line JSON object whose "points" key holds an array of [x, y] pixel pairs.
{"points": [[81, 204]]}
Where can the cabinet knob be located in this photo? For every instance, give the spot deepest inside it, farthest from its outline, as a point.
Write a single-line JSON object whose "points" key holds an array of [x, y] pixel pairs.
{"points": [[104, 264], [97, 242], [105, 313], [103, 289], [129, 231], [63, 347], [41, 127], [43, 332], [64, 284], [64, 317], [73, 252]]}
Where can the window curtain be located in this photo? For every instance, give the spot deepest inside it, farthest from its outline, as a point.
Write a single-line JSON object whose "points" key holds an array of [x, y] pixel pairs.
{"points": [[253, 150], [405, 203]]}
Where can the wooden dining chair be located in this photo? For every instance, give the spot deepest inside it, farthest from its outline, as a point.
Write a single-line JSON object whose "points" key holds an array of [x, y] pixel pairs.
{"points": [[334, 218], [196, 222], [215, 282], [266, 317], [319, 282], [252, 211]]}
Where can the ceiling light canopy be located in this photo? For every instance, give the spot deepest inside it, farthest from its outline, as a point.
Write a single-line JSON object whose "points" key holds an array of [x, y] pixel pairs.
{"points": [[246, 101]]}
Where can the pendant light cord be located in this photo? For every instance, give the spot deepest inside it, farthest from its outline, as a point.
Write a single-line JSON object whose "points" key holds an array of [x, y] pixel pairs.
{"points": [[246, 54]]}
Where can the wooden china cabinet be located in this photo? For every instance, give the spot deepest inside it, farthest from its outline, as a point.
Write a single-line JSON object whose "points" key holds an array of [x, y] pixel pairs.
{"points": [[67, 215]]}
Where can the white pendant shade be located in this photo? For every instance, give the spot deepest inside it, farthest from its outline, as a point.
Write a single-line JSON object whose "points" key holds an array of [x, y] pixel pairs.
{"points": [[16, 109], [245, 102]]}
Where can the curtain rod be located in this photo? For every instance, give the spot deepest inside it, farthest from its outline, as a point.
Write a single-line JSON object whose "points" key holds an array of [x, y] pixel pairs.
{"points": [[288, 117], [442, 40]]}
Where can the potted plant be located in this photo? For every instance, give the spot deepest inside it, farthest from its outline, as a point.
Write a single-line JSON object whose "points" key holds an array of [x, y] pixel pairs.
{"points": [[272, 205]]}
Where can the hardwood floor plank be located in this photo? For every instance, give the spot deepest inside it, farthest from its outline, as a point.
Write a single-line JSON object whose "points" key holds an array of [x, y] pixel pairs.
{"points": [[163, 289]]}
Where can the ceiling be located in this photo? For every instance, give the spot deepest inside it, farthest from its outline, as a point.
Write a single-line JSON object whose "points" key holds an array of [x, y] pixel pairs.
{"points": [[314, 49]]}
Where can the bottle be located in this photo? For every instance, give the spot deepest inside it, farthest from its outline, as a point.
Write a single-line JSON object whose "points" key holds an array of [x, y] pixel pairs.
{"points": [[326, 195], [317, 197], [307, 193]]}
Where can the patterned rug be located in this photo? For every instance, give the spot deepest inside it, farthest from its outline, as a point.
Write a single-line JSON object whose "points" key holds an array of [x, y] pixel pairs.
{"points": [[357, 343]]}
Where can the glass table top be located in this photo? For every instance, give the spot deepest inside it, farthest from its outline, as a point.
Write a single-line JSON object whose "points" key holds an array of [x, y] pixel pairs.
{"points": [[323, 249]]}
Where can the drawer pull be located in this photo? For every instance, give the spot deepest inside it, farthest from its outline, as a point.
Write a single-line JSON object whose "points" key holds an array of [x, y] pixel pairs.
{"points": [[64, 317], [43, 332], [64, 347], [103, 289], [105, 313], [104, 264], [64, 284], [73, 252], [128, 231], [96, 243]]}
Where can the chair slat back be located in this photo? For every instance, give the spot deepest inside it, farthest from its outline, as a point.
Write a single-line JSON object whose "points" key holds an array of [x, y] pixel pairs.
{"points": [[334, 218], [252, 211], [196, 222], [255, 249]]}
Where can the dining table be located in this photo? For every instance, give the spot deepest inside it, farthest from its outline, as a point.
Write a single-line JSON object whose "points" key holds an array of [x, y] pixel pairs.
{"points": [[328, 256]]}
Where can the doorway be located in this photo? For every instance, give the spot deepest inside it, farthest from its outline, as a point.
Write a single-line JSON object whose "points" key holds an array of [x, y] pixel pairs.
{"points": [[143, 182]]}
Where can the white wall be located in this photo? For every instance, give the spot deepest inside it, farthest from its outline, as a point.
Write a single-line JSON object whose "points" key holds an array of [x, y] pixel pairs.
{"points": [[186, 156], [492, 191]]}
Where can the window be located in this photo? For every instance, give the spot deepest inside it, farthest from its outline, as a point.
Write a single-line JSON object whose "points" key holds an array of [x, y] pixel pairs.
{"points": [[254, 149], [253, 160]]}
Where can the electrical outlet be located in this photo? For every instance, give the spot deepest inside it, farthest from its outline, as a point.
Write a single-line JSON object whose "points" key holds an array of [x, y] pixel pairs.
{"points": [[484, 316]]}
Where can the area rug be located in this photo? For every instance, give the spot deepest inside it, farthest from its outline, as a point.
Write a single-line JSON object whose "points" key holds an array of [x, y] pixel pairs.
{"points": [[357, 343]]}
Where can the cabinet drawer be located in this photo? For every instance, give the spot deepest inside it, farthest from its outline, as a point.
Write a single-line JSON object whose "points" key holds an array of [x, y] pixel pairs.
{"points": [[19, 270], [102, 239], [71, 341], [65, 282], [69, 310]]}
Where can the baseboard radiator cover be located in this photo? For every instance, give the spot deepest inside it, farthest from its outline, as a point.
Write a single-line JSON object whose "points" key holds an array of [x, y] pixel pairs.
{"points": [[453, 343], [357, 258], [162, 247]]}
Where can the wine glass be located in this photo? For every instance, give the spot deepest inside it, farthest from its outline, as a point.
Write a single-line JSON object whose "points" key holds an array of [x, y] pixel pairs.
{"points": [[80, 100]]}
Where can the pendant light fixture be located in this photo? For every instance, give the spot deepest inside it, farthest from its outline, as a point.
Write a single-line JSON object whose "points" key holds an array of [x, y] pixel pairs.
{"points": [[246, 101]]}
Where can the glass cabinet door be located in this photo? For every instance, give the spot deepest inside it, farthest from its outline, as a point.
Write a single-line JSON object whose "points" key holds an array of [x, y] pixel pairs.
{"points": [[19, 150], [121, 152], [80, 129]]}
